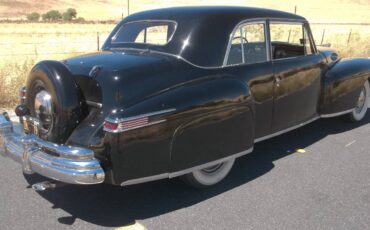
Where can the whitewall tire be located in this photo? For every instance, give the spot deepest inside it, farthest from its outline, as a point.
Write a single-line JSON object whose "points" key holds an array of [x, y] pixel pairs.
{"points": [[363, 102], [209, 176]]}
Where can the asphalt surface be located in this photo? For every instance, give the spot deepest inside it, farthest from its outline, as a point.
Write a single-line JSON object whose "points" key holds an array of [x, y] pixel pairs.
{"points": [[275, 187]]}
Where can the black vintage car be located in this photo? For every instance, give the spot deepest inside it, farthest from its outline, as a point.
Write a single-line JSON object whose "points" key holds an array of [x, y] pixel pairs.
{"points": [[179, 92]]}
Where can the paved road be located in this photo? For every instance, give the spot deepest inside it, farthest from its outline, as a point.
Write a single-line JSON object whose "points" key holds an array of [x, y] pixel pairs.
{"points": [[275, 187]]}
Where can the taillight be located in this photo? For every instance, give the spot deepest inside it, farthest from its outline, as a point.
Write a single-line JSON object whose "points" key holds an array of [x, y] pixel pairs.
{"points": [[110, 126], [126, 124], [22, 93]]}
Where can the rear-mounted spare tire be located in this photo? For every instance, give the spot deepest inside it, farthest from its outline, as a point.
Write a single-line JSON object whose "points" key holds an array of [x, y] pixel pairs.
{"points": [[53, 98]]}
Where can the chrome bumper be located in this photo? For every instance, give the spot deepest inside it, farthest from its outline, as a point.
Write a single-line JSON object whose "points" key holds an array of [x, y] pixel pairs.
{"points": [[67, 164]]}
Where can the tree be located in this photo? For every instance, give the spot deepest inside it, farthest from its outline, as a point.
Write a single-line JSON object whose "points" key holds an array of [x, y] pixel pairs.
{"points": [[70, 14], [33, 17], [52, 15]]}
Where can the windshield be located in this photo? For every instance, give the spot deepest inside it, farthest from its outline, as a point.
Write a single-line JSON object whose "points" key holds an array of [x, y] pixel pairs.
{"points": [[145, 32]]}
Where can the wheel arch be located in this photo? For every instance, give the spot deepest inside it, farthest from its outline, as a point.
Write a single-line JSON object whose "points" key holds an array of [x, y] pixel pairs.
{"points": [[342, 84]]}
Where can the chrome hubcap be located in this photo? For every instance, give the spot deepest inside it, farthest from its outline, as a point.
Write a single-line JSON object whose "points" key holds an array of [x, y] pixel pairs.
{"points": [[44, 109], [212, 169], [361, 101]]}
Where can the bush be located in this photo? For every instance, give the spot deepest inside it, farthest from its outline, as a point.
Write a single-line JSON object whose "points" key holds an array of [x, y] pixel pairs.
{"points": [[33, 17], [80, 20], [70, 14], [52, 15]]}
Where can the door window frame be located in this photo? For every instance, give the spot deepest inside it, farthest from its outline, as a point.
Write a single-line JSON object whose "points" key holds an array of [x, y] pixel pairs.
{"points": [[267, 22], [238, 27], [305, 26]]}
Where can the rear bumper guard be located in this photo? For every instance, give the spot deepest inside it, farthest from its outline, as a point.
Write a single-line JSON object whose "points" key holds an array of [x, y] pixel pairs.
{"points": [[73, 165]]}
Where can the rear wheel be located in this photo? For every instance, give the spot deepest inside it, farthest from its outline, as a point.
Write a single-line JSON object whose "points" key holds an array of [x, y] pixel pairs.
{"points": [[209, 176], [362, 104]]}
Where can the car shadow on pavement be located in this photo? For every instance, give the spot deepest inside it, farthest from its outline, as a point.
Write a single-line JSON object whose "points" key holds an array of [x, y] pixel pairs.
{"points": [[113, 206]]}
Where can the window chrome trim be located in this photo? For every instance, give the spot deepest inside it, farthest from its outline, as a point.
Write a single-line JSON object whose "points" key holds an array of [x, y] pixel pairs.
{"points": [[305, 26], [266, 21], [185, 171], [242, 43], [141, 43], [263, 20], [239, 26]]}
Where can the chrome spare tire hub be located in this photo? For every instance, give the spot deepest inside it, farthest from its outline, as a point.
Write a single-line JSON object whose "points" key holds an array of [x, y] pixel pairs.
{"points": [[44, 109]]}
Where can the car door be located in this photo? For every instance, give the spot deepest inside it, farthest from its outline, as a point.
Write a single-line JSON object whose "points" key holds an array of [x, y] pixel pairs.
{"points": [[248, 58], [297, 71]]}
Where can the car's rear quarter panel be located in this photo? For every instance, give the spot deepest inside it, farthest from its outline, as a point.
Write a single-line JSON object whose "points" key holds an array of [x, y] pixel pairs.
{"points": [[212, 119]]}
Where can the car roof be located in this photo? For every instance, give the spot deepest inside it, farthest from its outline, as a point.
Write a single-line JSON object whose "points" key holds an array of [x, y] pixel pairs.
{"points": [[204, 11], [204, 29]]}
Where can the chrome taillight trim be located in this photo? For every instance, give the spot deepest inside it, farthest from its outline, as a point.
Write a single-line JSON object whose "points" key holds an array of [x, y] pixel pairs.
{"points": [[133, 118], [22, 90]]}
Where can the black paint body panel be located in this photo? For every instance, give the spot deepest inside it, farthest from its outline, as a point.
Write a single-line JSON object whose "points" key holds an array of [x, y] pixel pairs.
{"points": [[215, 111]]}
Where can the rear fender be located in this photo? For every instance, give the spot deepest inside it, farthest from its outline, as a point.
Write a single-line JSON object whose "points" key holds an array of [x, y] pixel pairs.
{"points": [[343, 83], [219, 125], [204, 120]]}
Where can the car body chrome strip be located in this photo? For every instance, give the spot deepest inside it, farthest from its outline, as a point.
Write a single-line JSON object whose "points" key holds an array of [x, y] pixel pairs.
{"points": [[302, 124], [140, 116], [337, 114], [185, 171], [145, 179], [121, 130], [128, 119], [94, 104], [286, 130]]}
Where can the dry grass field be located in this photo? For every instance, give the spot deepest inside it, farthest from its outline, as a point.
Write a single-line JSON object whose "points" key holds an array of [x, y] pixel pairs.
{"points": [[22, 45], [314, 10]]}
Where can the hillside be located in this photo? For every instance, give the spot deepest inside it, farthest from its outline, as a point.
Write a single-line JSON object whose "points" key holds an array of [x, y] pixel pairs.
{"points": [[315, 10]]}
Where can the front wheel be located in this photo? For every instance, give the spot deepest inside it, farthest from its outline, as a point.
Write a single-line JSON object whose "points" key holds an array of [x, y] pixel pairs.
{"points": [[362, 104], [209, 176]]}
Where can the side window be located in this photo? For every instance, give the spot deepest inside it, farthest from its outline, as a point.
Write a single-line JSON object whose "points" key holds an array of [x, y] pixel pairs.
{"points": [[147, 32], [156, 35], [248, 45], [289, 40]]}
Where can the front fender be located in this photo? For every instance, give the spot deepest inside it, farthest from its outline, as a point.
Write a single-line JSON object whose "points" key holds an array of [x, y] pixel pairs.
{"points": [[343, 82]]}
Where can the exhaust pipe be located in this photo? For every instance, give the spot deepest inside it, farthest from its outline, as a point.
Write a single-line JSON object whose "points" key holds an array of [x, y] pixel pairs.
{"points": [[46, 185]]}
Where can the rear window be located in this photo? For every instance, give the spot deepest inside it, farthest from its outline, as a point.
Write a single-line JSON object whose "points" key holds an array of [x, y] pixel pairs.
{"points": [[145, 32]]}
